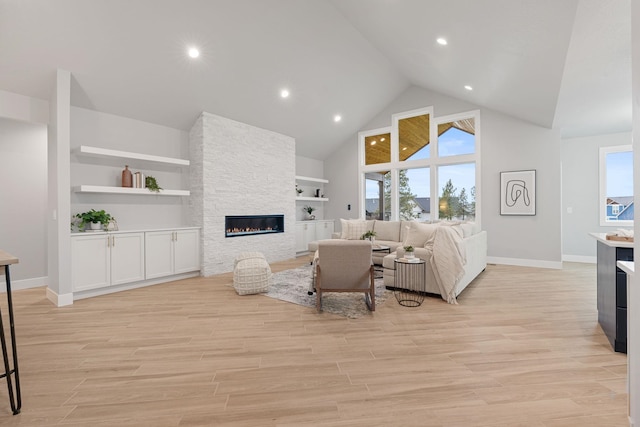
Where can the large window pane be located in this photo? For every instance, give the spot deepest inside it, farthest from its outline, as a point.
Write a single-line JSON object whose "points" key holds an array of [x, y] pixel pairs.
{"points": [[377, 195], [456, 138], [457, 186], [413, 138], [414, 194], [377, 149], [618, 175]]}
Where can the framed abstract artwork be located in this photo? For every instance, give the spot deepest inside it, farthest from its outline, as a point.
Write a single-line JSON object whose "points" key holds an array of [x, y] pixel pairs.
{"points": [[518, 192]]}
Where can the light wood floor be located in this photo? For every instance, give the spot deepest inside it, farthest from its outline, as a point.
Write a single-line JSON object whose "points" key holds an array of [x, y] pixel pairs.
{"points": [[523, 348]]}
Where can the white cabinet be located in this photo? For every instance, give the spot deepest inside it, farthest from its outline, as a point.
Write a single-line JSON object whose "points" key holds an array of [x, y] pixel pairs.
{"points": [[324, 229], [171, 252], [102, 260], [308, 231]]}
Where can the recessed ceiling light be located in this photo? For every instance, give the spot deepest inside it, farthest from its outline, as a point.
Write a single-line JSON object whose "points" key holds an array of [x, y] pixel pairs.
{"points": [[193, 52], [373, 142], [404, 148], [381, 139], [441, 41], [337, 118], [467, 87], [284, 93]]}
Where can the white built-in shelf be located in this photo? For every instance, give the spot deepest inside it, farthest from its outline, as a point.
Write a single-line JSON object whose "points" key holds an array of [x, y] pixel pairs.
{"points": [[107, 153], [128, 190], [308, 179], [312, 199]]}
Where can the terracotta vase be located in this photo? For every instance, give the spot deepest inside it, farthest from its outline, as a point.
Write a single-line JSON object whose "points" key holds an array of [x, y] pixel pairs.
{"points": [[127, 179]]}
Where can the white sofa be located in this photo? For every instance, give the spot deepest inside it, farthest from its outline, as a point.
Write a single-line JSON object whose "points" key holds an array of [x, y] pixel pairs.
{"points": [[397, 234], [475, 247]]}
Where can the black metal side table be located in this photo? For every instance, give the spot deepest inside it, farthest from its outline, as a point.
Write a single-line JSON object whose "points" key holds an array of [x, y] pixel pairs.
{"points": [[15, 400], [409, 286]]}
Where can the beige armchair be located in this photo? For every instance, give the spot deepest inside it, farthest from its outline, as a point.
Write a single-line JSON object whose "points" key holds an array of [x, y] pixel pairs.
{"points": [[345, 266]]}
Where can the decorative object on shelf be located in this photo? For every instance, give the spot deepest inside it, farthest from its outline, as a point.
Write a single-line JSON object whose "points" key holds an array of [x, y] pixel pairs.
{"points": [[317, 192], [95, 219], [408, 252], [309, 210], [138, 180], [112, 225], [518, 193], [152, 184], [127, 177], [371, 235], [298, 190]]}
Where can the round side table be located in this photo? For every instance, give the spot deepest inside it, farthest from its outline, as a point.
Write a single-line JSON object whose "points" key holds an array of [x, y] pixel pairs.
{"points": [[409, 284]]}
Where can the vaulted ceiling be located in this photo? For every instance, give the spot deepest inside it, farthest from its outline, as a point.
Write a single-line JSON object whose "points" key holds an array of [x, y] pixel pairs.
{"points": [[562, 64]]}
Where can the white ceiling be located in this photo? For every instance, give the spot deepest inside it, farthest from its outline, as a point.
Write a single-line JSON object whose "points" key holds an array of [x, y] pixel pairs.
{"points": [[562, 64]]}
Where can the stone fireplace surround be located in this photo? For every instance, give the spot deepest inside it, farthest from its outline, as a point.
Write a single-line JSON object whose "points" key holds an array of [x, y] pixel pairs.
{"points": [[237, 169]]}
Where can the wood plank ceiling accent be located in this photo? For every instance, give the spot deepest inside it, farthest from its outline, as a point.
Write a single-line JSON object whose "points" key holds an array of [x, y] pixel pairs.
{"points": [[413, 135]]}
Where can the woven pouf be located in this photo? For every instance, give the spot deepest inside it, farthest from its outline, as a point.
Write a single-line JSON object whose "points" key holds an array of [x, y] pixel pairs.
{"points": [[251, 273]]}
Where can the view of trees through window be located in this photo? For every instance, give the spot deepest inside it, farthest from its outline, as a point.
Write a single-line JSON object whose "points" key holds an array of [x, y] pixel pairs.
{"points": [[411, 175]]}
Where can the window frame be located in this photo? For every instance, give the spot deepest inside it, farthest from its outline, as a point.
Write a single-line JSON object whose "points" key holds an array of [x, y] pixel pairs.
{"points": [[433, 162], [602, 183]]}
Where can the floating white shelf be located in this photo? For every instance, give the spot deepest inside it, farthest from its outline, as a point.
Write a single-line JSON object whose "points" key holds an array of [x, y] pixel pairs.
{"points": [[107, 153], [127, 190], [308, 179], [312, 199]]}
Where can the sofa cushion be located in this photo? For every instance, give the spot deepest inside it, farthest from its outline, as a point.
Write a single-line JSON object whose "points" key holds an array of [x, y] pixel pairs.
{"points": [[387, 230], [419, 233], [467, 229], [353, 229]]}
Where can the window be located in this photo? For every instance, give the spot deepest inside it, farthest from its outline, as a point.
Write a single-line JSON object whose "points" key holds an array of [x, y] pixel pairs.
{"points": [[431, 171], [377, 149], [616, 186]]}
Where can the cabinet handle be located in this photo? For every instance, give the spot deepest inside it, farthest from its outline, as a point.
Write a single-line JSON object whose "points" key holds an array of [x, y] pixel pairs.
{"points": [[113, 241]]}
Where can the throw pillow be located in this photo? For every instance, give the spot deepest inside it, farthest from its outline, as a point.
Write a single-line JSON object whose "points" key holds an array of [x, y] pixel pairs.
{"points": [[419, 233], [348, 229], [355, 229]]}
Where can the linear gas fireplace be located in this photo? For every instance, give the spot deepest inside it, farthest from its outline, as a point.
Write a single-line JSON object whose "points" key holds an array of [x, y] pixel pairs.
{"points": [[245, 225]]}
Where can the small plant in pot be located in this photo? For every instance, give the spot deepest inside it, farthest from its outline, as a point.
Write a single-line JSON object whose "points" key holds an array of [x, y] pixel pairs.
{"points": [[96, 220], [309, 210], [370, 235], [408, 252], [299, 190]]}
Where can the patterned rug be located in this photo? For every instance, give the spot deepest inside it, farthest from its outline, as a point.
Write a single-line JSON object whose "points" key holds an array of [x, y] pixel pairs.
{"points": [[293, 286]]}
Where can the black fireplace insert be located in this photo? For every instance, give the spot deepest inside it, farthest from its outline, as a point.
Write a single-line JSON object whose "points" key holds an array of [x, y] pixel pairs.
{"points": [[245, 225]]}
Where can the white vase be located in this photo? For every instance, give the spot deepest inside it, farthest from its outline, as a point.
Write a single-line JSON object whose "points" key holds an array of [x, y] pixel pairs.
{"points": [[408, 255], [95, 226]]}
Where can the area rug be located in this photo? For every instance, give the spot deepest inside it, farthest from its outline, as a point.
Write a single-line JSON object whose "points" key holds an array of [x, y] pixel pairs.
{"points": [[293, 286]]}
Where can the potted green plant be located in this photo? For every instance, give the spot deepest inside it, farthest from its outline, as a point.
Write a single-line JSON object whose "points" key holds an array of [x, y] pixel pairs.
{"points": [[95, 219], [408, 251], [369, 235], [309, 210]]}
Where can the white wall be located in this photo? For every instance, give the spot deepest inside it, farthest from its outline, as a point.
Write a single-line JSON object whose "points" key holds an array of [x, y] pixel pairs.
{"points": [[507, 144], [103, 130], [580, 186], [23, 209]]}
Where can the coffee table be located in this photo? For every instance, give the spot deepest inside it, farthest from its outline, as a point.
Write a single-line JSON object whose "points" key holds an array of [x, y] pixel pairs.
{"points": [[377, 268]]}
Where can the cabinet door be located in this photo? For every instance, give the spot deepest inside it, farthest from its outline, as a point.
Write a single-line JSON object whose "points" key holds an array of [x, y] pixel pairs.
{"points": [[324, 230], [90, 262], [186, 251], [302, 235], [127, 258], [158, 253]]}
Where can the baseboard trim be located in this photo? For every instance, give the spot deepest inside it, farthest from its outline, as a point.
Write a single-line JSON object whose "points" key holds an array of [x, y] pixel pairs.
{"points": [[525, 262], [16, 285], [59, 300], [580, 258]]}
